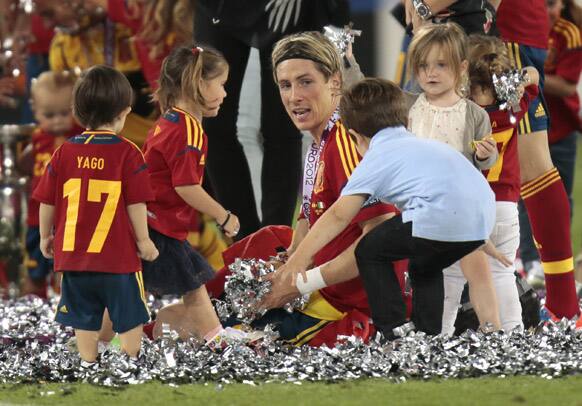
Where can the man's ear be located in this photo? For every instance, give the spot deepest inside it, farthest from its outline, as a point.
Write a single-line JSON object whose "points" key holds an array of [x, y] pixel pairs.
{"points": [[335, 81]]}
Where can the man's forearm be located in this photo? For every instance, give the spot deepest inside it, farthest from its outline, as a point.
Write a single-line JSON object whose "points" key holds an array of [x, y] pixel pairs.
{"points": [[558, 86], [344, 267]]}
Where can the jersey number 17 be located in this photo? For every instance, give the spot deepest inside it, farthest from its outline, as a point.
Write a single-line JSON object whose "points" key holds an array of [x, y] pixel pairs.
{"points": [[97, 187]]}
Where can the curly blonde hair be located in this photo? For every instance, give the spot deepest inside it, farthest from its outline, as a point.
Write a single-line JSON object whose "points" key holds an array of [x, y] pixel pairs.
{"points": [[164, 22], [487, 56]]}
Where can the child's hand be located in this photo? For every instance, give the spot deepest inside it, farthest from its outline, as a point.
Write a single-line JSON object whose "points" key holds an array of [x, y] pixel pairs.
{"points": [[147, 250], [485, 148], [232, 226], [46, 247], [489, 249]]}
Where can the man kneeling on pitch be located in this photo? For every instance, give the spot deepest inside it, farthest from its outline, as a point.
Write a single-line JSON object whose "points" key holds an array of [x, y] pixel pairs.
{"points": [[447, 209]]}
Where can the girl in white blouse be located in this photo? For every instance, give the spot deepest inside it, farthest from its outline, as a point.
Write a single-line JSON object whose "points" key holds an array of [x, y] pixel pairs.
{"points": [[438, 61]]}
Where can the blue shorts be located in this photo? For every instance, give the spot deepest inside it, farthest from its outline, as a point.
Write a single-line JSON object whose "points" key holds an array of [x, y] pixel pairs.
{"points": [[536, 118], [86, 295], [294, 328], [38, 266]]}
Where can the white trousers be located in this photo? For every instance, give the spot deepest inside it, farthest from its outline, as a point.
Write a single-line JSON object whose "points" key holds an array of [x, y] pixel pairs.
{"points": [[505, 237]]}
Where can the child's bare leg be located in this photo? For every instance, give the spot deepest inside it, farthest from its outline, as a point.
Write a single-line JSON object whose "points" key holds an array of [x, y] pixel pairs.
{"points": [[106, 333], [87, 344], [173, 315], [475, 267], [131, 341], [200, 315]]}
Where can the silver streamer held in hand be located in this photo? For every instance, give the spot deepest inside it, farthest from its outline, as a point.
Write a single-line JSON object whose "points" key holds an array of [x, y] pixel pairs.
{"points": [[341, 37], [509, 90], [246, 287], [33, 349]]}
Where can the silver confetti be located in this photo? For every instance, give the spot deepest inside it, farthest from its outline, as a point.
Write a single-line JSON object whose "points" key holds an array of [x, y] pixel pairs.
{"points": [[246, 287], [509, 89], [34, 349], [341, 37]]}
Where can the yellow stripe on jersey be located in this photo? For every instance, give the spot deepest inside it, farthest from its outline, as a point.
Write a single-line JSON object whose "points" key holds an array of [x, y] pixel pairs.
{"points": [[347, 144], [188, 129], [134, 145], [88, 140], [570, 32], [353, 149], [199, 134], [558, 267], [341, 153], [201, 142]]}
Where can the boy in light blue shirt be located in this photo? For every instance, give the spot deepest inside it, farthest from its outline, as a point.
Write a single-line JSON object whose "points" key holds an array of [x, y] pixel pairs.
{"points": [[448, 209]]}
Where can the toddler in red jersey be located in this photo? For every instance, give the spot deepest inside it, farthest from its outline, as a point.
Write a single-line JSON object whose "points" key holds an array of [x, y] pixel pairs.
{"points": [[93, 193], [487, 56], [191, 86], [51, 93]]}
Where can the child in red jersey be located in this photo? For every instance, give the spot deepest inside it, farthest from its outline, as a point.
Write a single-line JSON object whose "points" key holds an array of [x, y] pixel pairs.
{"points": [[158, 26], [487, 56], [191, 86], [51, 102], [94, 192]]}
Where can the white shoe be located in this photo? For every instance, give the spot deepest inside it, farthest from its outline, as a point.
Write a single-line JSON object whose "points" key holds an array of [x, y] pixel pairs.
{"points": [[535, 274]]}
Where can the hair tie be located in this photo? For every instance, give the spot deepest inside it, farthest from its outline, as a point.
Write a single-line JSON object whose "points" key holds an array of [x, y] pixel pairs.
{"points": [[197, 50]]}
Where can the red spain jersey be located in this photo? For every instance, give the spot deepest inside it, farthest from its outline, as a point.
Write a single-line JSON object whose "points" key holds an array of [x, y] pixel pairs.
{"points": [[524, 22], [337, 161], [117, 11], [90, 180], [504, 176], [564, 60], [175, 151], [43, 146]]}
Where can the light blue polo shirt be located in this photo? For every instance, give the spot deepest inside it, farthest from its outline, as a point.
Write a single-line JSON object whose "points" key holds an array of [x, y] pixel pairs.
{"points": [[435, 187]]}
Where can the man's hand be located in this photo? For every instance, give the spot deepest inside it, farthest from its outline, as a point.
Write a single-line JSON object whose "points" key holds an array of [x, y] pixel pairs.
{"points": [[283, 289]]}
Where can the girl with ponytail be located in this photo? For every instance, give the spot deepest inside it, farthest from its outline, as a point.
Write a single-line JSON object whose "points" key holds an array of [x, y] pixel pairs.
{"points": [[191, 86]]}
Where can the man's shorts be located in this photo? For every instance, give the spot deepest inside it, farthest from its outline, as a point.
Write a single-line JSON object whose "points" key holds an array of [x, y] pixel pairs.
{"points": [[536, 118], [86, 295], [38, 266], [295, 328]]}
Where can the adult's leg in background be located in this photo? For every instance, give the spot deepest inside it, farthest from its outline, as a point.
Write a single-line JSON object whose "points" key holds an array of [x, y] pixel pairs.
{"points": [[227, 165]]}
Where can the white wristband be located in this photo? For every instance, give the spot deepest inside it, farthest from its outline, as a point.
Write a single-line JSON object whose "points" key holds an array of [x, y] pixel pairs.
{"points": [[314, 281]]}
